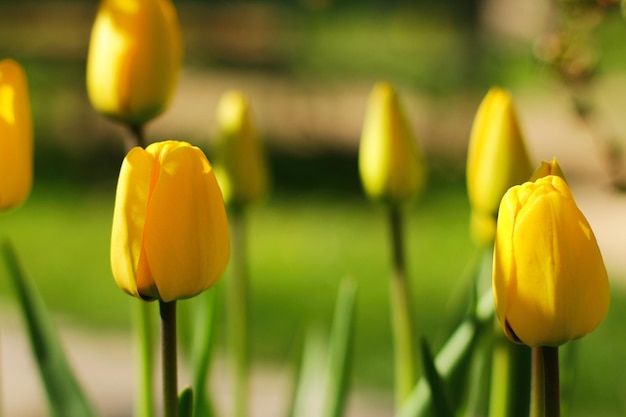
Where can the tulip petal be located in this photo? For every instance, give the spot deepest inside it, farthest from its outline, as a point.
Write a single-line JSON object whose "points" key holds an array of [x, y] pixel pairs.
{"points": [[186, 230], [129, 216]]}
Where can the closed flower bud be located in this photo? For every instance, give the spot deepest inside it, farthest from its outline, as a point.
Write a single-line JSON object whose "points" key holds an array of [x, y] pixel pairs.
{"points": [[497, 158], [16, 136], [391, 165], [134, 58], [170, 232], [549, 280], [240, 165]]}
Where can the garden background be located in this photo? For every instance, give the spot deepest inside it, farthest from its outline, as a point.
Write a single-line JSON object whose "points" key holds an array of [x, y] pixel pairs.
{"points": [[308, 67]]}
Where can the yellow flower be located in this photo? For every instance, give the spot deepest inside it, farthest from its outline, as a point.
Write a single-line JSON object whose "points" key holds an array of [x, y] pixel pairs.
{"points": [[496, 160], [170, 232], [16, 136], [241, 166], [550, 283], [391, 165], [134, 58]]}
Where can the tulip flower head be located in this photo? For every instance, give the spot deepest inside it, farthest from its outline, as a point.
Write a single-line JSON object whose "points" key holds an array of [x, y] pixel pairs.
{"points": [[170, 236], [134, 58], [550, 283], [241, 165], [391, 164], [497, 159], [16, 136]]}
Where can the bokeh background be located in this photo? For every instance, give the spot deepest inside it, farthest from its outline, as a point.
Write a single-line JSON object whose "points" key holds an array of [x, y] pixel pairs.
{"points": [[308, 67]]}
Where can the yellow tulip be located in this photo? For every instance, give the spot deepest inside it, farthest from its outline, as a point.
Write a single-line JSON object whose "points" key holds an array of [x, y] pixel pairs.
{"points": [[241, 165], [16, 136], [391, 164], [496, 160], [170, 235], [134, 58], [549, 280]]}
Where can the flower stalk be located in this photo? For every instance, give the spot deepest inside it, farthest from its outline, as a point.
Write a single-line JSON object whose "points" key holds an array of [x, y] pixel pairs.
{"points": [[545, 398], [401, 313], [168, 357]]}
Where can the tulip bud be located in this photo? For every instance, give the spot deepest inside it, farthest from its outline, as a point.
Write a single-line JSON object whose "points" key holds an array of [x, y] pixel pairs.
{"points": [[241, 165], [497, 158], [391, 165], [16, 136], [548, 168], [170, 235], [550, 283], [134, 58]]}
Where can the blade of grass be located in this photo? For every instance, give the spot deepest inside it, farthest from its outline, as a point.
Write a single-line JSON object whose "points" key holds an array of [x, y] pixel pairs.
{"points": [[65, 396]]}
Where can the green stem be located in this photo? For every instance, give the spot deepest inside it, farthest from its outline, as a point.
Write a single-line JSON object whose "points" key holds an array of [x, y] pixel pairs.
{"points": [[546, 391], [537, 384], [401, 316], [138, 137], [144, 402], [238, 314], [552, 383], [168, 346]]}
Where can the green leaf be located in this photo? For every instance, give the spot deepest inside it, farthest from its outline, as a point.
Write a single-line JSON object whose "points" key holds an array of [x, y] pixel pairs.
{"points": [[440, 400], [204, 317], [311, 376], [143, 314], [185, 403], [340, 353], [65, 396], [453, 360]]}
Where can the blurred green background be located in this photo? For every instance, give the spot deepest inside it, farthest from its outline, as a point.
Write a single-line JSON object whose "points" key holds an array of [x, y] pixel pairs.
{"points": [[308, 66]]}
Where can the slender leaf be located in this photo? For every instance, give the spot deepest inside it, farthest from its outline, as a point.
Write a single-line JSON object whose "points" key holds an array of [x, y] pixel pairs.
{"points": [[143, 322], [441, 403], [65, 396], [202, 350], [311, 378], [185, 403], [453, 360], [340, 352]]}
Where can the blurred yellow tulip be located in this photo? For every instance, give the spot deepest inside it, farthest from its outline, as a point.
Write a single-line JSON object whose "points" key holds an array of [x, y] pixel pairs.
{"points": [[496, 160], [135, 55], [391, 164], [240, 165], [16, 136], [170, 236], [549, 280]]}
